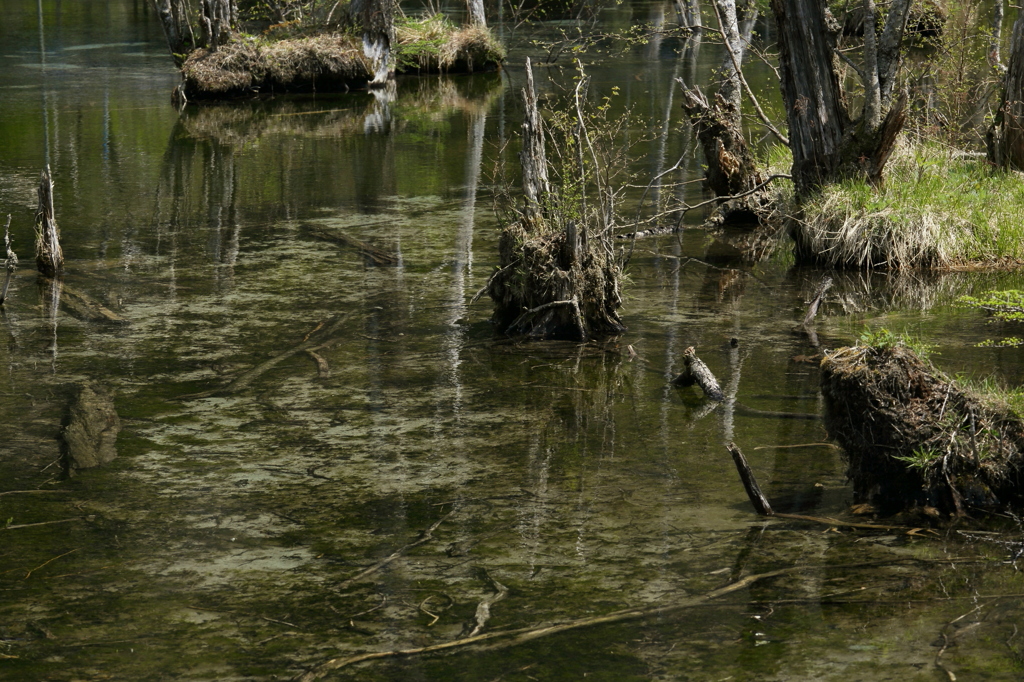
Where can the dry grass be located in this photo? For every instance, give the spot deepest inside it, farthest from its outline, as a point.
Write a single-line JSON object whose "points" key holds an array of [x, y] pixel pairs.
{"points": [[937, 208]]}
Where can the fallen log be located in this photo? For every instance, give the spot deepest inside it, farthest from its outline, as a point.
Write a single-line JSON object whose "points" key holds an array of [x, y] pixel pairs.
{"points": [[914, 437], [696, 372], [82, 306]]}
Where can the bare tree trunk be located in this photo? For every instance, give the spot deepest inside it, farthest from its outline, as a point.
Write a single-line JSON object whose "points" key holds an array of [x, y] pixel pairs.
{"points": [[219, 18], [476, 13], [49, 256], [996, 44], [1006, 136], [827, 143], [731, 167], [810, 89], [377, 20], [533, 157]]}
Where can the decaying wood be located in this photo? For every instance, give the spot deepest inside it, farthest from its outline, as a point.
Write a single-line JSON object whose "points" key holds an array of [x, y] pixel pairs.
{"points": [[533, 157], [11, 261], [49, 256], [84, 307], [829, 143], [368, 251], [558, 275], [731, 167], [696, 372], [805, 325], [757, 498], [323, 369], [424, 538], [912, 436], [483, 609]]}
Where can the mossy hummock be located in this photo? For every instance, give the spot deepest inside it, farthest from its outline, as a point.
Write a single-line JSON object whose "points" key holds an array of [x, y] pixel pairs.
{"points": [[914, 437], [326, 62]]}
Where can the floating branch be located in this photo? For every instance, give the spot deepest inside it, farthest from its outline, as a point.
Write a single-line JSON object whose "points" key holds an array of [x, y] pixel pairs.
{"points": [[368, 251], [697, 372], [49, 256]]}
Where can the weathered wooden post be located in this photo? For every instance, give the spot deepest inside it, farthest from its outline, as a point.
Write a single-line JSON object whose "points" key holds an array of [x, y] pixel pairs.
{"points": [[49, 256]]}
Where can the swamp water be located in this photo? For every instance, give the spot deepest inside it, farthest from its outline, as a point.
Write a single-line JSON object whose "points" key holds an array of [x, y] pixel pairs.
{"points": [[419, 480]]}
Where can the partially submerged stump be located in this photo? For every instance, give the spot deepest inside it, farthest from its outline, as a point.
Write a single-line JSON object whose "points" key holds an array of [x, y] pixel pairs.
{"points": [[557, 278], [912, 437], [696, 372], [49, 256], [89, 433]]}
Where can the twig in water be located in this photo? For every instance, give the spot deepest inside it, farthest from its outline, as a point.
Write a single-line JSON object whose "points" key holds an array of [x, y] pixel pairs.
{"points": [[483, 609], [29, 574], [427, 536]]}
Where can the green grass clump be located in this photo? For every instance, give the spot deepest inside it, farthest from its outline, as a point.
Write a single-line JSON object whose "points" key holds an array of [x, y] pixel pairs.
{"points": [[937, 208], [884, 339]]}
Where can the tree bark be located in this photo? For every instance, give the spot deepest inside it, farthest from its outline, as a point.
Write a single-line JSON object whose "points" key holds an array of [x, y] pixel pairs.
{"points": [[533, 157], [827, 143], [731, 167], [377, 20], [1006, 136], [815, 106], [476, 13]]}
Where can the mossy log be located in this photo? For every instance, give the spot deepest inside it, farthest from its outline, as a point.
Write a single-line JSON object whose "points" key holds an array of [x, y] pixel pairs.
{"points": [[913, 437]]}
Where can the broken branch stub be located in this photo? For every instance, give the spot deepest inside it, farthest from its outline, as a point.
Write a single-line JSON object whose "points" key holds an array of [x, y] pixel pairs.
{"points": [[757, 498], [696, 372], [49, 256]]}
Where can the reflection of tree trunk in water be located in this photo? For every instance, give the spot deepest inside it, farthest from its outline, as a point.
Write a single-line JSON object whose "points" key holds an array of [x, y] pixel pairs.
{"points": [[378, 120], [219, 189], [462, 263], [50, 290]]}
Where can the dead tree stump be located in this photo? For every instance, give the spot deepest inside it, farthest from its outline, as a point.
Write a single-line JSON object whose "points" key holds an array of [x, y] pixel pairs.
{"points": [[49, 256], [558, 276], [913, 437]]}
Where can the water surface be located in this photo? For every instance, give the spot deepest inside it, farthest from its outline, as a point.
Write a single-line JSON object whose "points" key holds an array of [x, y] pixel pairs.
{"points": [[232, 536]]}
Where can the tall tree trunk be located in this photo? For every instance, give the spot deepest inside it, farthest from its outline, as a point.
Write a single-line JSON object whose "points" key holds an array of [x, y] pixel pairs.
{"points": [[814, 101], [827, 143], [1006, 136]]}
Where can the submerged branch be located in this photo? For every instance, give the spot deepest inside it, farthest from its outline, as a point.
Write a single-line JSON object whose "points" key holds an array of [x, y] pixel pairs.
{"points": [[509, 638], [427, 536]]}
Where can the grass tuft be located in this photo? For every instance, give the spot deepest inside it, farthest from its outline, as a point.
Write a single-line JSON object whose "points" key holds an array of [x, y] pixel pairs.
{"points": [[937, 208]]}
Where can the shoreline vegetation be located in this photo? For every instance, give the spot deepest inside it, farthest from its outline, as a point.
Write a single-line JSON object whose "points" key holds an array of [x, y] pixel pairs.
{"points": [[333, 60], [939, 208], [231, 49]]}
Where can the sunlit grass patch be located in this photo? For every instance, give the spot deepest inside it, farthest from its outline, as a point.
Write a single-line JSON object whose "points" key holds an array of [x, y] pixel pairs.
{"points": [[937, 208]]}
